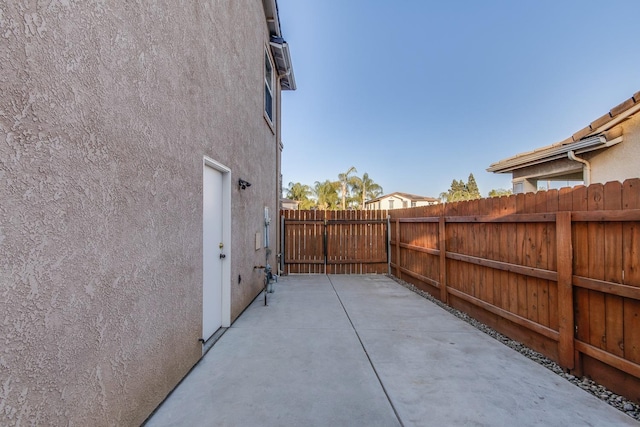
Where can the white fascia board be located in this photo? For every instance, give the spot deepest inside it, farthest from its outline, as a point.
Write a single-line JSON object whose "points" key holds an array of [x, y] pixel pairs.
{"points": [[271, 15], [549, 154]]}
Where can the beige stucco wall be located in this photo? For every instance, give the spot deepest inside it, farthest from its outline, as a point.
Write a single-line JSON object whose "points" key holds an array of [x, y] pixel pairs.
{"points": [[622, 161], [106, 112], [397, 203]]}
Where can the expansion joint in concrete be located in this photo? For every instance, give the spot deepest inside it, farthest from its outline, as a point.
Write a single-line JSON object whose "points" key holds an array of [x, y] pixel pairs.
{"points": [[367, 354]]}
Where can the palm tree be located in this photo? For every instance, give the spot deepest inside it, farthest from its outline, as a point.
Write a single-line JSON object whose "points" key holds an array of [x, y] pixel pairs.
{"points": [[366, 189], [326, 194], [300, 192], [346, 181]]}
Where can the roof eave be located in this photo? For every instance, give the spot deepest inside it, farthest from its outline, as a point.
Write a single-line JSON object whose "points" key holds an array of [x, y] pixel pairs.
{"points": [[279, 47], [282, 57], [552, 153], [271, 15], [599, 126]]}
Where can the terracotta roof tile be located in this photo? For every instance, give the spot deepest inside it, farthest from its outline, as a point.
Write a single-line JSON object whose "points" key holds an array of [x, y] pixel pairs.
{"points": [[622, 107], [582, 133], [636, 97], [600, 121]]}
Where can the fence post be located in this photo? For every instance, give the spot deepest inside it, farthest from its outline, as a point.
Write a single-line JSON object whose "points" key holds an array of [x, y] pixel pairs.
{"points": [[565, 290], [325, 243], [388, 235], [398, 272], [442, 238], [282, 243]]}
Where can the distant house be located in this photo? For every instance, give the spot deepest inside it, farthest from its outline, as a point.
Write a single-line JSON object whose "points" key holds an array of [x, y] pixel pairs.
{"points": [[139, 162], [398, 201], [606, 150], [288, 204]]}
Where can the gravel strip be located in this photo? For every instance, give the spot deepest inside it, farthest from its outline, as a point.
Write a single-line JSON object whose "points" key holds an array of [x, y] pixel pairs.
{"points": [[619, 402]]}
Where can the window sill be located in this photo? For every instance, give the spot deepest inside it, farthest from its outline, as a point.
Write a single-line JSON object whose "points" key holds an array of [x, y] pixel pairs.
{"points": [[269, 122]]}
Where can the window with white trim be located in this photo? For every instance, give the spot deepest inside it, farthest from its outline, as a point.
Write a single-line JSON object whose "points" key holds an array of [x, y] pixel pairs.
{"points": [[268, 87], [518, 187]]}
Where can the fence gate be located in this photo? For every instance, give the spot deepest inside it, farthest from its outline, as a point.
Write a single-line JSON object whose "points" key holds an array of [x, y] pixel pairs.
{"points": [[334, 242]]}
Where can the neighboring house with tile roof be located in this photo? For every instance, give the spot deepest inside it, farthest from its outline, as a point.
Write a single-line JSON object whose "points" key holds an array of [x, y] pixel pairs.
{"points": [[130, 134], [606, 150], [399, 200]]}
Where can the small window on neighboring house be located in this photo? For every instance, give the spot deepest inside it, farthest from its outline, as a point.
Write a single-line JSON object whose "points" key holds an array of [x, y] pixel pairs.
{"points": [[268, 87], [413, 204], [405, 204], [518, 187], [390, 204]]}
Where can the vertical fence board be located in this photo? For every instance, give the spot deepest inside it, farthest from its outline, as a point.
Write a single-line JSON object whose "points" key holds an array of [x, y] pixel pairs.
{"points": [[552, 206], [398, 259], [521, 281], [486, 251], [473, 271], [530, 255], [614, 305], [452, 246], [511, 247], [542, 262], [442, 246], [580, 264], [595, 239], [631, 266], [495, 231]]}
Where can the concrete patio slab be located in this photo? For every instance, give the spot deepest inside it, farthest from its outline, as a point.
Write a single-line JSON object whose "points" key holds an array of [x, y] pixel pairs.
{"points": [[365, 351]]}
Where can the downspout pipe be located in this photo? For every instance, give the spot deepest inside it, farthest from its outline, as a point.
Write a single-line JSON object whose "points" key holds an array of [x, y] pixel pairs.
{"points": [[587, 167]]}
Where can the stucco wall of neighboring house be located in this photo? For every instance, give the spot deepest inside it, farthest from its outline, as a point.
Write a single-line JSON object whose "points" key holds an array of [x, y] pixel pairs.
{"points": [[398, 203], [622, 161], [562, 167], [106, 112]]}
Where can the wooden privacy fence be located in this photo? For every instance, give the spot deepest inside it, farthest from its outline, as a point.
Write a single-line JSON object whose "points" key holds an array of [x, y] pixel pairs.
{"points": [[557, 270], [334, 242]]}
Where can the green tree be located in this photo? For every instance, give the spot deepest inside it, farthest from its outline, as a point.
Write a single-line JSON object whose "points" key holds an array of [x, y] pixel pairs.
{"points": [[366, 189], [300, 193], [500, 192], [472, 188], [326, 193], [460, 191], [346, 183]]}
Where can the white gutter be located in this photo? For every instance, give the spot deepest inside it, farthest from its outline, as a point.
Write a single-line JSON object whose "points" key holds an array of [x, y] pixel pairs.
{"points": [[587, 167], [282, 57], [548, 154]]}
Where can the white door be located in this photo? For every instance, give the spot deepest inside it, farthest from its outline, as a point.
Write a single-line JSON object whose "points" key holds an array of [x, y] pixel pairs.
{"points": [[213, 251]]}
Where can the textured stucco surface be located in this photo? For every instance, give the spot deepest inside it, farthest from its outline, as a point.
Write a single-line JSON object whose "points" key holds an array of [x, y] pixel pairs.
{"points": [[622, 161], [106, 112]]}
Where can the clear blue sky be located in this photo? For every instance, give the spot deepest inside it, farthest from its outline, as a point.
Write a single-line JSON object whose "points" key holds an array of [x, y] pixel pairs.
{"points": [[420, 92]]}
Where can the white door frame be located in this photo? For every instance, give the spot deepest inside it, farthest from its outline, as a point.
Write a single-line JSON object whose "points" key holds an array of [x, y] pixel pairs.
{"points": [[226, 236]]}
